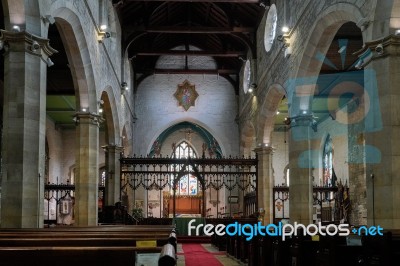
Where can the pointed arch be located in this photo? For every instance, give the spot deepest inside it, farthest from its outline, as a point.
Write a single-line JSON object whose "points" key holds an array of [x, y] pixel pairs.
{"points": [[208, 138], [247, 139], [323, 31], [76, 47], [111, 118], [266, 117]]}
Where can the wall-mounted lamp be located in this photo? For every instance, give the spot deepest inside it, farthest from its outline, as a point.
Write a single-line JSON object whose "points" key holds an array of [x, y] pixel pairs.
{"points": [[49, 62], [397, 32], [48, 19], [252, 87], [285, 29], [379, 49], [124, 87], [84, 109], [285, 39], [103, 27], [35, 46], [314, 125], [288, 50], [359, 64], [342, 49], [16, 28], [103, 35], [100, 103]]}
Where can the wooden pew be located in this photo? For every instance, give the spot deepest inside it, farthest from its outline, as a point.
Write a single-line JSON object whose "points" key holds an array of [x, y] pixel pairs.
{"points": [[64, 256], [371, 250], [303, 250], [114, 245], [232, 245]]}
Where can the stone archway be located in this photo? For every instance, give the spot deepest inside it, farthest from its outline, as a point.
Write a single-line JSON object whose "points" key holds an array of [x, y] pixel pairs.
{"points": [[300, 92], [267, 113], [247, 139], [87, 117], [112, 148]]}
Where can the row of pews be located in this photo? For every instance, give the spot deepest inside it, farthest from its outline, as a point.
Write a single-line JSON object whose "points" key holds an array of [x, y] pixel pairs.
{"points": [[303, 250], [97, 245]]}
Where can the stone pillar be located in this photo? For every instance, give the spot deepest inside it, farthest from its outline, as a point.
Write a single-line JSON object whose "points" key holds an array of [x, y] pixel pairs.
{"points": [[300, 164], [24, 121], [87, 171], [265, 182], [382, 144], [113, 174]]}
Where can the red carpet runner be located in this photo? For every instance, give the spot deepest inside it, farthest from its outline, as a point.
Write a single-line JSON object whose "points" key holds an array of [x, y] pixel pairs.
{"points": [[197, 255]]}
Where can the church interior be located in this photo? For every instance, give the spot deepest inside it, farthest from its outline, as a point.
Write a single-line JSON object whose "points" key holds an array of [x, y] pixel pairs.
{"points": [[128, 121]]}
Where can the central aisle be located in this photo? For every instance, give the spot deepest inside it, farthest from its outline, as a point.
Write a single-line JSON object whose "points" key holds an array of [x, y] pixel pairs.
{"points": [[190, 254]]}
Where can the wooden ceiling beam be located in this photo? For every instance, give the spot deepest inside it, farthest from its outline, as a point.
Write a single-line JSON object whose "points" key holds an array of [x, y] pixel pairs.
{"points": [[189, 29], [188, 71], [199, 1], [191, 53]]}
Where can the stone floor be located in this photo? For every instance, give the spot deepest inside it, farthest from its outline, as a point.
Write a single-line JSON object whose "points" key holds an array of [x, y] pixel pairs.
{"points": [[224, 259]]}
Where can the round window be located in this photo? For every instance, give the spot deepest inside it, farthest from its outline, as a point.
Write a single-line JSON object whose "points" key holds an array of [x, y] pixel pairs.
{"points": [[246, 76], [270, 28]]}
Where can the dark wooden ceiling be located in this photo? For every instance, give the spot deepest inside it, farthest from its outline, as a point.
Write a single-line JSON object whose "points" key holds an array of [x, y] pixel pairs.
{"points": [[222, 29]]}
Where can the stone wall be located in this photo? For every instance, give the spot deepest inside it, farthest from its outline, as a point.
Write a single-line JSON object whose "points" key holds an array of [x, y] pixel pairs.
{"points": [[280, 156], [157, 109]]}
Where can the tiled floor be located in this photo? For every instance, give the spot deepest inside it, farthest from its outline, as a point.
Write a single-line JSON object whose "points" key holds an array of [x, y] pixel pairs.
{"points": [[224, 259]]}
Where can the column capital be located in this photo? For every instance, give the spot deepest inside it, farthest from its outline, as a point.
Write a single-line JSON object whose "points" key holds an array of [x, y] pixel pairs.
{"points": [[380, 48], [33, 44], [112, 147], [88, 118], [261, 150], [303, 120]]}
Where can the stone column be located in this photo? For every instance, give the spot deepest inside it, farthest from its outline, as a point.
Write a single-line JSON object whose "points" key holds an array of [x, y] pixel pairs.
{"points": [[300, 164], [87, 171], [24, 121], [113, 174], [382, 138], [265, 182]]}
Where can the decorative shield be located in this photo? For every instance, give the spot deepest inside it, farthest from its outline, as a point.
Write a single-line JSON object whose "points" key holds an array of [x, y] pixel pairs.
{"points": [[186, 95]]}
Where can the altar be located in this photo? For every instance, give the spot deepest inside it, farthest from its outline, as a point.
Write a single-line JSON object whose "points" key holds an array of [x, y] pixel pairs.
{"points": [[183, 222]]}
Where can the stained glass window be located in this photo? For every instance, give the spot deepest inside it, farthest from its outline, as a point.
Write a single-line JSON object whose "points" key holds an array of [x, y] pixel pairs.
{"points": [[188, 184], [327, 179]]}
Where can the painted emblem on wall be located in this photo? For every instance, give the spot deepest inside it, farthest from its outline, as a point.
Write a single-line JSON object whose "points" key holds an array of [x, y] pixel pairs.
{"points": [[186, 95]]}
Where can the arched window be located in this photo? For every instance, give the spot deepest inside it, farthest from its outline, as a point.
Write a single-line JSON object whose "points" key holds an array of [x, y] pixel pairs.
{"points": [[184, 150], [102, 176], [188, 184], [327, 160]]}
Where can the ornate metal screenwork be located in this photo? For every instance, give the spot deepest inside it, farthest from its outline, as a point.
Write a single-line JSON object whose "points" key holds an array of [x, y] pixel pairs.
{"points": [[164, 173], [59, 201], [330, 203]]}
